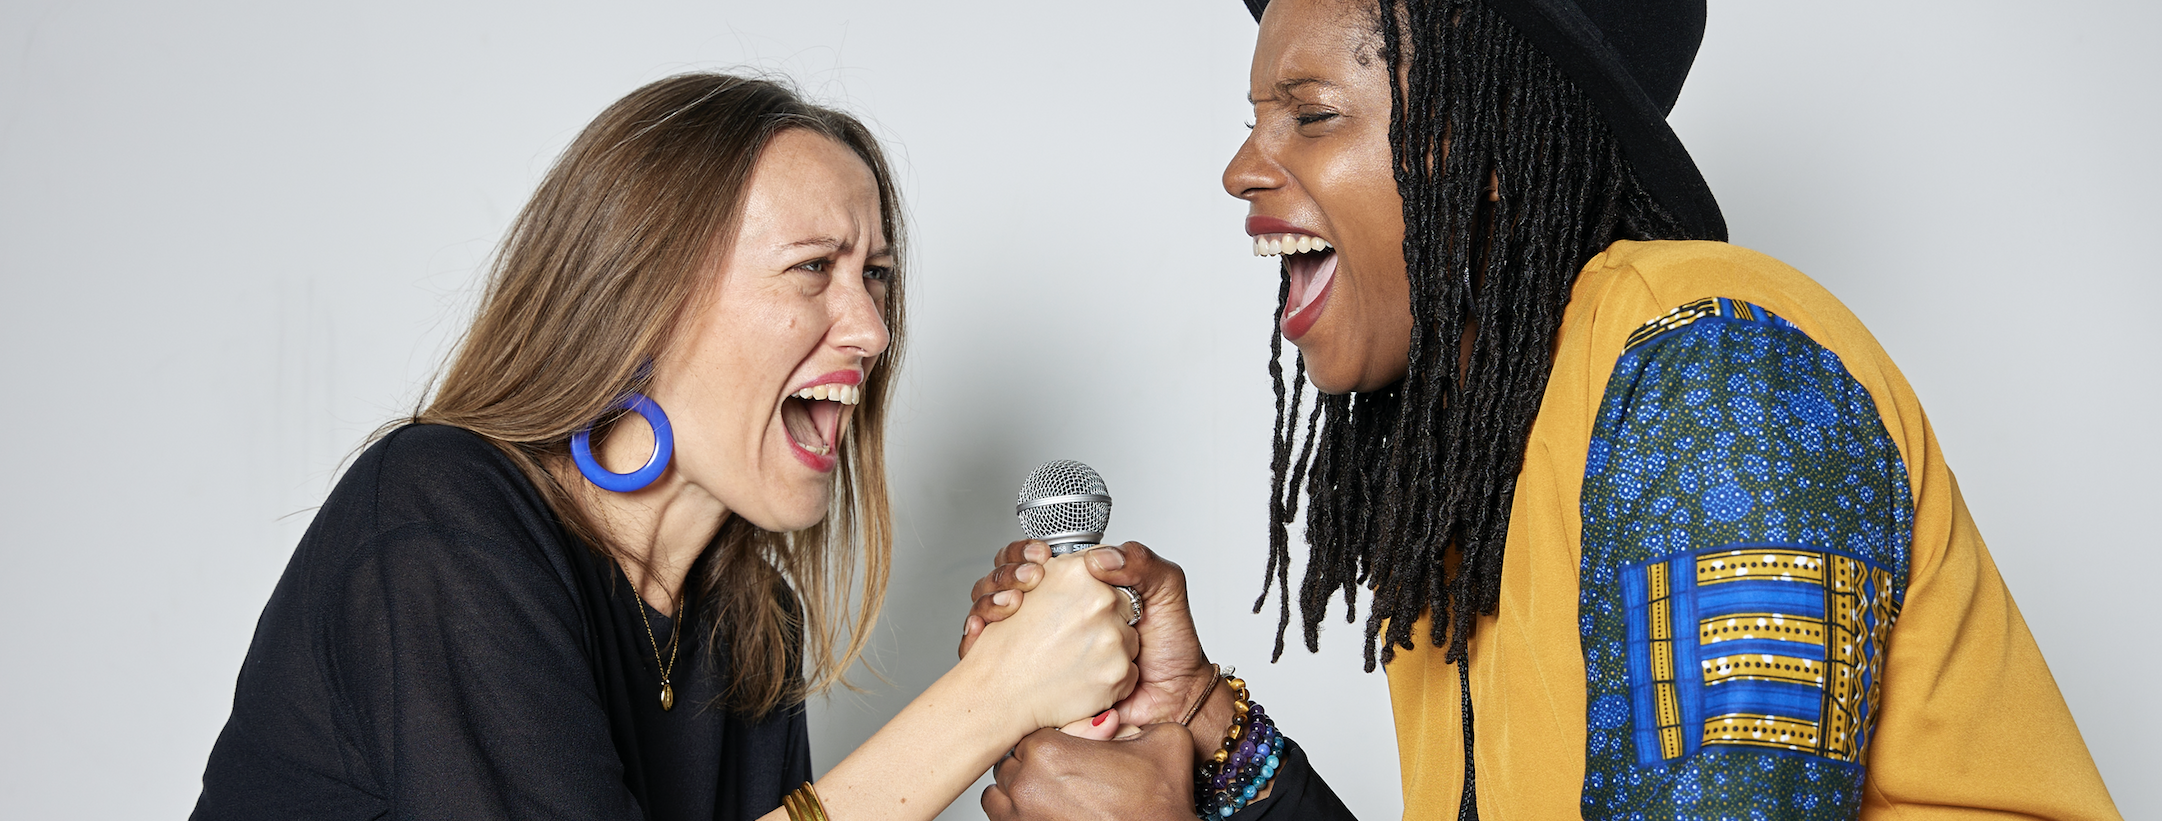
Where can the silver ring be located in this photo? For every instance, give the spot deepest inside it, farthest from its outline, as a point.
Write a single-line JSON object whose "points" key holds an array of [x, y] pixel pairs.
{"points": [[1133, 605]]}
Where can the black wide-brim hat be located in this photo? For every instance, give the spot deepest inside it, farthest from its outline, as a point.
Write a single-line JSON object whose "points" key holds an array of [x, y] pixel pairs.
{"points": [[1630, 57]]}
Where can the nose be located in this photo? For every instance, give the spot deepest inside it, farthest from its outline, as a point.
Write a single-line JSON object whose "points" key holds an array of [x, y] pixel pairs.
{"points": [[859, 322], [1251, 173]]}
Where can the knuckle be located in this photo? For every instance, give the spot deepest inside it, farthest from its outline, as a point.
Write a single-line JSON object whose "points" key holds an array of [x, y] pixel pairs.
{"points": [[1026, 747], [1047, 755]]}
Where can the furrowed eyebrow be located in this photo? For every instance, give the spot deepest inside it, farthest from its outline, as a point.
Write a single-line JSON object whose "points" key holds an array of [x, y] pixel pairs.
{"points": [[1286, 88], [828, 243]]}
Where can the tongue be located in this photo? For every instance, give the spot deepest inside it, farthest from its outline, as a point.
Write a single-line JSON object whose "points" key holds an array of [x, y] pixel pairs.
{"points": [[811, 422], [1310, 274], [796, 416], [826, 417]]}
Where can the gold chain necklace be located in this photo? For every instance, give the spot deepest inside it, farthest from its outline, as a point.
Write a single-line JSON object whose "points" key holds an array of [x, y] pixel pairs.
{"points": [[675, 639]]}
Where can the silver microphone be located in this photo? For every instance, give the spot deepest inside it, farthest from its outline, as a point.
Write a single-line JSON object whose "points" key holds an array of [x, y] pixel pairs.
{"points": [[1064, 504]]}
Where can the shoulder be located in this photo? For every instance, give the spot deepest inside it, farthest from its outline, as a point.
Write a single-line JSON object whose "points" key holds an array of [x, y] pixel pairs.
{"points": [[1624, 293], [1637, 281], [431, 538], [445, 477], [1634, 284], [435, 453], [437, 499]]}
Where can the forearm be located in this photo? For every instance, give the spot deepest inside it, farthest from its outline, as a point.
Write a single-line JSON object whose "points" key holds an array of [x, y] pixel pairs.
{"points": [[926, 756]]}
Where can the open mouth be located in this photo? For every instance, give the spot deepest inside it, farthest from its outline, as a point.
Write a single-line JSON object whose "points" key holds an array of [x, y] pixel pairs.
{"points": [[813, 417], [1310, 266]]}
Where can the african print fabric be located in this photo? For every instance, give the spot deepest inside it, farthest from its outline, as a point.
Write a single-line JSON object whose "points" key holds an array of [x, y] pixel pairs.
{"points": [[1747, 525]]}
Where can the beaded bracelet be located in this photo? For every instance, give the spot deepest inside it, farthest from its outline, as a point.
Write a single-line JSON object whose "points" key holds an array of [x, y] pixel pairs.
{"points": [[1244, 764]]}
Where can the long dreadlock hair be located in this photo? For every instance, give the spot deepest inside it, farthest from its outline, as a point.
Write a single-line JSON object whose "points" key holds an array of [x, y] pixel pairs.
{"points": [[1406, 483]]}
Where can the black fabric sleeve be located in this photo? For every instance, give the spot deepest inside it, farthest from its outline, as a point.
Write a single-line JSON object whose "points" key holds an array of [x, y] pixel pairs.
{"points": [[460, 657], [1299, 793]]}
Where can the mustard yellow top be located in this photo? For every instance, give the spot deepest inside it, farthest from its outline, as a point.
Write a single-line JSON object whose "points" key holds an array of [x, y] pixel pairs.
{"points": [[1968, 721]]}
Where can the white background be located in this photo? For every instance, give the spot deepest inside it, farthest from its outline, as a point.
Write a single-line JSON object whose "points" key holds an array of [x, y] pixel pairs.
{"points": [[235, 237]]}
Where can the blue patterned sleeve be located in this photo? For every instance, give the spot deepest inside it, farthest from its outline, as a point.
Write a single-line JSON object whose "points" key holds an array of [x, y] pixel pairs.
{"points": [[1747, 524]]}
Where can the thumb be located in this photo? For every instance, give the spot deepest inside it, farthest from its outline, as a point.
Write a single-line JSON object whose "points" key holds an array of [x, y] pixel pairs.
{"points": [[1099, 728], [1134, 565]]}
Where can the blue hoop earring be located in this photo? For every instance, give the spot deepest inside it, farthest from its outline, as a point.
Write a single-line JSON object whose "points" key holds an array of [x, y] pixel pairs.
{"points": [[664, 446]]}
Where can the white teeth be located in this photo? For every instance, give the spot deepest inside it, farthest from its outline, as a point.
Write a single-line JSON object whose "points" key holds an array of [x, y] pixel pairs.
{"points": [[1269, 245], [844, 394]]}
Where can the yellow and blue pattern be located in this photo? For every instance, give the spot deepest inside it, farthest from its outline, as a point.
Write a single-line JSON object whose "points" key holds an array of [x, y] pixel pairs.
{"points": [[1747, 522]]}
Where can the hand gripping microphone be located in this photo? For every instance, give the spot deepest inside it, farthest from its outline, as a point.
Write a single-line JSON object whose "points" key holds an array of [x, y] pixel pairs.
{"points": [[1065, 504]]}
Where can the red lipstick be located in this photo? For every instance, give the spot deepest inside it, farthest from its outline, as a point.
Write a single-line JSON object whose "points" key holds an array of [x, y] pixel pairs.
{"points": [[1258, 225], [834, 378]]}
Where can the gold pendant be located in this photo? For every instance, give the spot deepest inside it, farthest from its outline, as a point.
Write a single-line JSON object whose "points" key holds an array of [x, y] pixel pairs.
{"points": [[668, 697]]}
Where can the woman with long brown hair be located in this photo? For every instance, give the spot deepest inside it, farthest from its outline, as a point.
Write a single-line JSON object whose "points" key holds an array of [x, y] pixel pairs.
{"points": [[488, 618]]}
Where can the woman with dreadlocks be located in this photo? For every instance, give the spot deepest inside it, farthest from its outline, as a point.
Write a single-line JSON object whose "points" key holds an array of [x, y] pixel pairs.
{"points": [[1650, 525]]}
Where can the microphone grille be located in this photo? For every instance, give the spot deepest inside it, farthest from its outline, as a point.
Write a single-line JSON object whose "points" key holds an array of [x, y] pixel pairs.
{"points": [[1066, 521]]}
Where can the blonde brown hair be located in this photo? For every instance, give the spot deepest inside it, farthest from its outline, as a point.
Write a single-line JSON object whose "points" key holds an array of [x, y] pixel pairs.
{"points": [[592, 283]]}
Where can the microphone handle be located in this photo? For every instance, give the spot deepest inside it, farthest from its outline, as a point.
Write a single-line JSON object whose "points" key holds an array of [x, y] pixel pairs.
{"points": [[1071, 547]]}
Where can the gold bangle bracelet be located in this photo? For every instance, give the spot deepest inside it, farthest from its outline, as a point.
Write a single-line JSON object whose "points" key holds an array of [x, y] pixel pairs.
{"points": [[804, 804]]}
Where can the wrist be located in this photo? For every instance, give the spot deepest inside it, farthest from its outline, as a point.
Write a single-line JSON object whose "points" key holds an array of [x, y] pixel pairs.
{"points": [[1211, 722], [1185, 694], [1001, 700]]}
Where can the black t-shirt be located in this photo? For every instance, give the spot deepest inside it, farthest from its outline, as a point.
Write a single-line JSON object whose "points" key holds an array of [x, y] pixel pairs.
{"points": [[439, 647]]}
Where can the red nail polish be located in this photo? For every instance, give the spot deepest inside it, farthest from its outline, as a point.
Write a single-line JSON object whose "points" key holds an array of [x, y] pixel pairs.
{"points": [[1099, 719]]}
